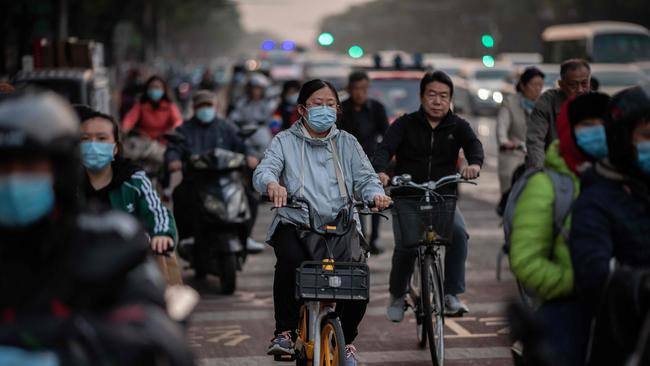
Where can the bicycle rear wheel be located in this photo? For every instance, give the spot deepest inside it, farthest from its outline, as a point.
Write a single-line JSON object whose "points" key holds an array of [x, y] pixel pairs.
{"points": [[332, 349], [433, 309]]}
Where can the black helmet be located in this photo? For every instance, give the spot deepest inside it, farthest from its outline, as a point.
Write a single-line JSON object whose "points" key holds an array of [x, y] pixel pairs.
{"points": [[626, 109], [43, 125]]}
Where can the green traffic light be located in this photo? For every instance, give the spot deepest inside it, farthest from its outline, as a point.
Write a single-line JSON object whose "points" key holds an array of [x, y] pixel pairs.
{"points": [[487, 40], [488, 61], [355, 51], [325, 39]]}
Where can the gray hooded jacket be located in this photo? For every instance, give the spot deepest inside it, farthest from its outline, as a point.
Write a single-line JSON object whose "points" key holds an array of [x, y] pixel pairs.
{"points": [[305, 166]]}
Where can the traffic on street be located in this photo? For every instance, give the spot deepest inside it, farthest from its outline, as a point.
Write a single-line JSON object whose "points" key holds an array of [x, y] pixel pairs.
{"points": [[358, 182]]}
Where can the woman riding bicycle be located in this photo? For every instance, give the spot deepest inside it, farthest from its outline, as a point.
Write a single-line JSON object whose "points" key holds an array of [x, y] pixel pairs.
{"points": [[317, 162]]}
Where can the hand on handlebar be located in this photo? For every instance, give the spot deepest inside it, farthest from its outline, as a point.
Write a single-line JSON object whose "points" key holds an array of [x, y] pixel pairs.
{"points": [[471, 171], [382, 202], [384, 178], [277, 194], [161, 243]]}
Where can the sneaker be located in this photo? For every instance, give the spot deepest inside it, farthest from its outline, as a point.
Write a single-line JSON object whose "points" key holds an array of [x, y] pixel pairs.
{"points": [[350, 356], [395, 309], [454, 307], [254, 247], [281, 345]]}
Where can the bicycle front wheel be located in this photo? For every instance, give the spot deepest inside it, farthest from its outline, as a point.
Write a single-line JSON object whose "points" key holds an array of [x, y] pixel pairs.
{"points": [[433, 309], [332, 343]]}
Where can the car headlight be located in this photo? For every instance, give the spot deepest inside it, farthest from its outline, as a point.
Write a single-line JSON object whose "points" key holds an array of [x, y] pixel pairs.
{"points": [[497, 97], [483, 94]]}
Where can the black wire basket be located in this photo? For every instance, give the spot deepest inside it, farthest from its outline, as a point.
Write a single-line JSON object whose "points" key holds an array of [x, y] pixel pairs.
{"points": [[321, 281], [437, 213]]}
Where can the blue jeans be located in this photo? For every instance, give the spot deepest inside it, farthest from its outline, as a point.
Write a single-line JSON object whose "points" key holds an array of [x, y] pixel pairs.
{"points": [[408, 231]]}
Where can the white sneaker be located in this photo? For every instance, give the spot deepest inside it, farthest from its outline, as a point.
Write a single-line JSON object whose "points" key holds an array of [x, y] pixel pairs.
{"points": [[350, 356], [395, 309], [254, 247], [454, 307]]}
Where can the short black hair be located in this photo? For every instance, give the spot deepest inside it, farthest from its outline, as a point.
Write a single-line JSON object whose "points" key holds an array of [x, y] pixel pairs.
{"points": [[147, 84], [289, 84], [588, 105], [312, 86], [573, 64], [439, 76], [528, 74], [357, 76], [86, 113]]}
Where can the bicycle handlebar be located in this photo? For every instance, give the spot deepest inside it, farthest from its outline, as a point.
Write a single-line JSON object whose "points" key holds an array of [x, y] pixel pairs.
{"points": [[298, 203], [404, 180]]}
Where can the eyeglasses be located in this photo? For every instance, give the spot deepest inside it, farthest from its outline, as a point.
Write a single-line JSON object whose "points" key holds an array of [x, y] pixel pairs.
{"points": [[328, 104]]}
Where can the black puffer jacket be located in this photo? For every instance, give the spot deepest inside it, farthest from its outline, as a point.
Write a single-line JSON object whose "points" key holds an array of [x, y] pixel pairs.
{"points": [[427, 153]]}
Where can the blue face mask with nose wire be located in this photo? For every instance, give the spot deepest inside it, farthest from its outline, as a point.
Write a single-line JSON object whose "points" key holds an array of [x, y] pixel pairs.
{"points": [[643, 156], [25, 198], [593, 141], [155, 94], [96, 155], [205, 114], [321, 118]]}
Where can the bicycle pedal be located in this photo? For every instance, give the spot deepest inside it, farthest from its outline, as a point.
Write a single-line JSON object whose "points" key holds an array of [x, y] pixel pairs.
{"points": [[284, 358]]}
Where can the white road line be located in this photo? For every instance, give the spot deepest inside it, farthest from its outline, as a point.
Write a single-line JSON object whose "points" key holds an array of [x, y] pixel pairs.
{"points": [[374, 357], [489, 308]]}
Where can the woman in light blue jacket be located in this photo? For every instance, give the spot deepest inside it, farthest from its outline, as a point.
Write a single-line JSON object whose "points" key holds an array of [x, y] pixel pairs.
{"points": [[303, 162]]}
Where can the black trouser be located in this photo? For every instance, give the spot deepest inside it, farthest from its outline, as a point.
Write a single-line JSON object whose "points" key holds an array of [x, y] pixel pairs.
{"points": [[373, 234], [290, 254]]}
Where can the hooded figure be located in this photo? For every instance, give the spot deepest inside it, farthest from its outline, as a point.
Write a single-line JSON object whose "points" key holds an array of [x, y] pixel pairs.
{"points": [[540, 261], [612, 225]]}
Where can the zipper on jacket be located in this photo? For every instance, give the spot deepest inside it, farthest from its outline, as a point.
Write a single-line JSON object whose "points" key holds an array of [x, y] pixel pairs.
{"points": [[430, 156]]}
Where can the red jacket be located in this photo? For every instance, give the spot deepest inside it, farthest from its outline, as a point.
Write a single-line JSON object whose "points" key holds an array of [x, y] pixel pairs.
{"points": [[153, 122]]}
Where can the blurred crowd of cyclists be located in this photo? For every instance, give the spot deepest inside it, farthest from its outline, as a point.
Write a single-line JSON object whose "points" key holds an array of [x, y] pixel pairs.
{"points": [[583, 270]]}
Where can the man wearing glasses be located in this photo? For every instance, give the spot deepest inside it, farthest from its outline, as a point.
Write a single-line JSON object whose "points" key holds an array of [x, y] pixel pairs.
{"points": [[426, 144], [575, 79]]}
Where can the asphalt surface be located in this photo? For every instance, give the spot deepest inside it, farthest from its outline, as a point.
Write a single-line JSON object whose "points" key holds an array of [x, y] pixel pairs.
{"points": [[236, 330]]}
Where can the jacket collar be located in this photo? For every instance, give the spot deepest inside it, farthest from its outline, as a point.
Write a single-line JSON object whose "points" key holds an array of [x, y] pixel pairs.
{"points": [[447, 121], [299, 130]]}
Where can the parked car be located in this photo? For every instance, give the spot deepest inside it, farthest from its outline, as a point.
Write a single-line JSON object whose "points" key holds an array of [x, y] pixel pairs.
{"points": [[398, 90], [613, 78], [77, 85], [478, 88]]}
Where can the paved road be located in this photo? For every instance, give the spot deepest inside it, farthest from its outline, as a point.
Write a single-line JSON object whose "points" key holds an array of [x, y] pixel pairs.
{"points": [[236, 330]]}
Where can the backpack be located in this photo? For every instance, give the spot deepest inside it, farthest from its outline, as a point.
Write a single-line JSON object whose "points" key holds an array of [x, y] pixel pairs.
{"points": [[563, 193], [563, 201]]}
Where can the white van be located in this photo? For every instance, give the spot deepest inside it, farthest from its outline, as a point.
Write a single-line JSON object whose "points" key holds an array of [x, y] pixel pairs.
{"points": [[597, 42]]}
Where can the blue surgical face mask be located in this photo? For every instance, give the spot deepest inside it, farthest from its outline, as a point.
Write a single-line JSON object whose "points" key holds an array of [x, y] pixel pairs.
{"points": [[593, 141], [155, 94], [26, 198], [321, 118], [96, 155], [643, 156], [205, 114], [292, 99]]}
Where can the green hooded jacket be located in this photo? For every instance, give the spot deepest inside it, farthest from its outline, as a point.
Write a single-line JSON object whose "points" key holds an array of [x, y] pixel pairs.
{"points": [[548, 275], [131, 191]]}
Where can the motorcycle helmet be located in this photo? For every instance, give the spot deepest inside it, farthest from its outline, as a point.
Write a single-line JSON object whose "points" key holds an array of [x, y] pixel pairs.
{"points": [[626, 109], [43, 125]]}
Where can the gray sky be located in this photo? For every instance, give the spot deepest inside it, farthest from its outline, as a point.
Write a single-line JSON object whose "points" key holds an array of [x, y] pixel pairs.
{"points": [[298, 20]]}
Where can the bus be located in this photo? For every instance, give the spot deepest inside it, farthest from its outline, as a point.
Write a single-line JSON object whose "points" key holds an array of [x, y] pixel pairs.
{"points": [[597, 42]]}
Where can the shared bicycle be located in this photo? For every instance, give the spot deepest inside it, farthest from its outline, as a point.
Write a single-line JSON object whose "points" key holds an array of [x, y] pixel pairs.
{"points": [[320, 284], [426, 292]]}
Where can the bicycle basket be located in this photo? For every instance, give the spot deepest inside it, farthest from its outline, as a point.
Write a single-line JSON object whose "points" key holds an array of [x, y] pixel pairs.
{"points": [[316, 280], [438, 213]]}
